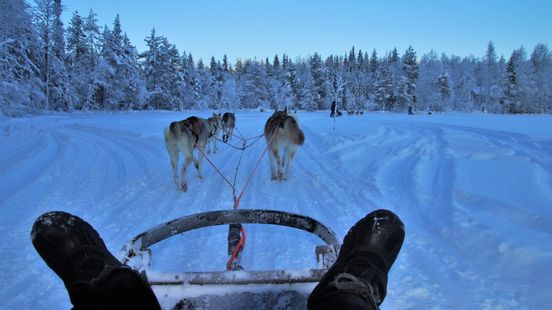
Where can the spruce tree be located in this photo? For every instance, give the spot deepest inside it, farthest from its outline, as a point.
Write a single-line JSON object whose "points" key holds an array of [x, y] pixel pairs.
{"points": [[509, 100], [20, 61], [443, 88], [76, 39], [410, 71], [373, 62]]}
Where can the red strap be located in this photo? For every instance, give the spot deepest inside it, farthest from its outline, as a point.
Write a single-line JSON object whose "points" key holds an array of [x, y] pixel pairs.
{"points": [[241, 243]]}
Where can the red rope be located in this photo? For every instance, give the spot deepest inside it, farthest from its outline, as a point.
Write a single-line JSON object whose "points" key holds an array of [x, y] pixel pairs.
{"points": [[216, 169], [241, 243]]}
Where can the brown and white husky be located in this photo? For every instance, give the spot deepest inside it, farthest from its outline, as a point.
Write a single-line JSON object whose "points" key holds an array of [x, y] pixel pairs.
{"points": [[228, 124], [183, 137], [214, 129], [282, 135]]}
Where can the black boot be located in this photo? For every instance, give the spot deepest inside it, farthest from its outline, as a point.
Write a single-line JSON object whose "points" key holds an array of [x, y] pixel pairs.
{"points": [[94, 278], [358, 278]]}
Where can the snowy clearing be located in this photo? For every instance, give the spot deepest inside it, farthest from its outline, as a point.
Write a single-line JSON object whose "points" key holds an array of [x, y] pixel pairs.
{"points": [[474, 191]]}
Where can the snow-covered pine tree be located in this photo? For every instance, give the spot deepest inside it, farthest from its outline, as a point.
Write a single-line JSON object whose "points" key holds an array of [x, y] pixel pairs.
{"points": [[394, 56], [489, 74], [383, 97], [53, 68], [373, 62], [76, 61], [76, 39], [337, 82], [92, 34], [21, 88], [443, 88], [510, 101], [217, 82], [307, 94], [410, 70], [121, 84], [290, 73], [429, 69], [318, 74], [130, 79], [541, 63], [161, 63]]}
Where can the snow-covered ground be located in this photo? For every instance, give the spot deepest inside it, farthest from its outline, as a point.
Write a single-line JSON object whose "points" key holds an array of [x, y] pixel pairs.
{"points": [[474, 191]]}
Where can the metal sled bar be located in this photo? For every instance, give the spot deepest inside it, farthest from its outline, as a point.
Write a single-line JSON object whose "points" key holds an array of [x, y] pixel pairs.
{"points": [[239, 277], [224, 217]]}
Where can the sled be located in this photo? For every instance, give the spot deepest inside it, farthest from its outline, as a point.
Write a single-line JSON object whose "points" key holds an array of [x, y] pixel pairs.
{"points": [[280, 289]]}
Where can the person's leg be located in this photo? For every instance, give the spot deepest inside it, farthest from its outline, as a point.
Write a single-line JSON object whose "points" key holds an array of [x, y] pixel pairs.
{"points": [[94, 278], [358, 278]]}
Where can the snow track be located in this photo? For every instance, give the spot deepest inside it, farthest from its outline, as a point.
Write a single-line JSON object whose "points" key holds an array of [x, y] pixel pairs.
{"points": [[474, 191]]}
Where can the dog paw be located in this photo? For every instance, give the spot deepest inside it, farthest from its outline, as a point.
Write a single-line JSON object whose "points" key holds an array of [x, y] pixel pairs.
{"points": [[184, 187]]}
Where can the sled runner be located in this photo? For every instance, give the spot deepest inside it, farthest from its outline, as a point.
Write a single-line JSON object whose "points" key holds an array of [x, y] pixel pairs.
{"points": [[233, 289]]}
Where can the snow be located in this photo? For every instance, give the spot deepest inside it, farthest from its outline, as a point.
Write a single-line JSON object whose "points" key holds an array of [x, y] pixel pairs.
{"points": [[474, 191]]}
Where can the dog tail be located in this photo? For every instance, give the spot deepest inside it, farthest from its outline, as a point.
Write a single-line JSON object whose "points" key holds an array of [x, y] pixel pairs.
{"points": [[296, 134], [171, 132]]}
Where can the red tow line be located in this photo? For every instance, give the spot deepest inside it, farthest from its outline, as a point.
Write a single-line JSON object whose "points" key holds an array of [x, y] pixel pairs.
{"points": [[237, 199]]}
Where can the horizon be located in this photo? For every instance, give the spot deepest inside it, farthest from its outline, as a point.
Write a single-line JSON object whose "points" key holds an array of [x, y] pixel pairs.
{"points": [[246, 30]]}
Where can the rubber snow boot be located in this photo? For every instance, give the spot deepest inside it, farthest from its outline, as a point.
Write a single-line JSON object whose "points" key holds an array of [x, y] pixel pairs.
{"points": [[94, 278], [358, 278]]}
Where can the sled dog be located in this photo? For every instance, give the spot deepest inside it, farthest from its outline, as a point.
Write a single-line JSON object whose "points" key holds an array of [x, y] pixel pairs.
{"points": [[183, 137], [282, 135], [214, 128], [228, 124]]}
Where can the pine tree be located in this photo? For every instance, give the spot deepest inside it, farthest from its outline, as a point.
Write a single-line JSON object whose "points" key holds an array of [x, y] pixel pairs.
{"points": [[76, 61], [53, 68], [319, 79], [121, 86], [76, 39], [20, 61], [489, 77], [225, 66], [291, 79], [394, 56], [541, 63], [373, 62], [276, 63], [410, 71], [92, 34], [351, 61], [166, 85], [217, 82], [443, 88], [383, 89]]}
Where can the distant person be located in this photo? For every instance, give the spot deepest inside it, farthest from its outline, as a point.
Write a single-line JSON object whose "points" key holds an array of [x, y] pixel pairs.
{"points": [[332, 113], [95, 279]]}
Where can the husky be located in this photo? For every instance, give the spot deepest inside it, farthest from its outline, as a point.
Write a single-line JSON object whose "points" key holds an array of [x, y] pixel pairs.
{"points": [[184, 136], [214, 127], [282, 135], [228, 124]]}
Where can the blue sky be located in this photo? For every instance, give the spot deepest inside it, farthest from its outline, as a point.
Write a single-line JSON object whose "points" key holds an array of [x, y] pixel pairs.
{"points": [[249, 29]]}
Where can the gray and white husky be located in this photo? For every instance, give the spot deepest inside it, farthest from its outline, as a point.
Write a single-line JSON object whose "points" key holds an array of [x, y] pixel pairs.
{"points": [[183, 137], [228, 124], [214, 127], [282, 135]]}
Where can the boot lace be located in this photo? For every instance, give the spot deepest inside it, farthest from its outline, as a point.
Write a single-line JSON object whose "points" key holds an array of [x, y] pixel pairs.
{"points": [[349, 283]]}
